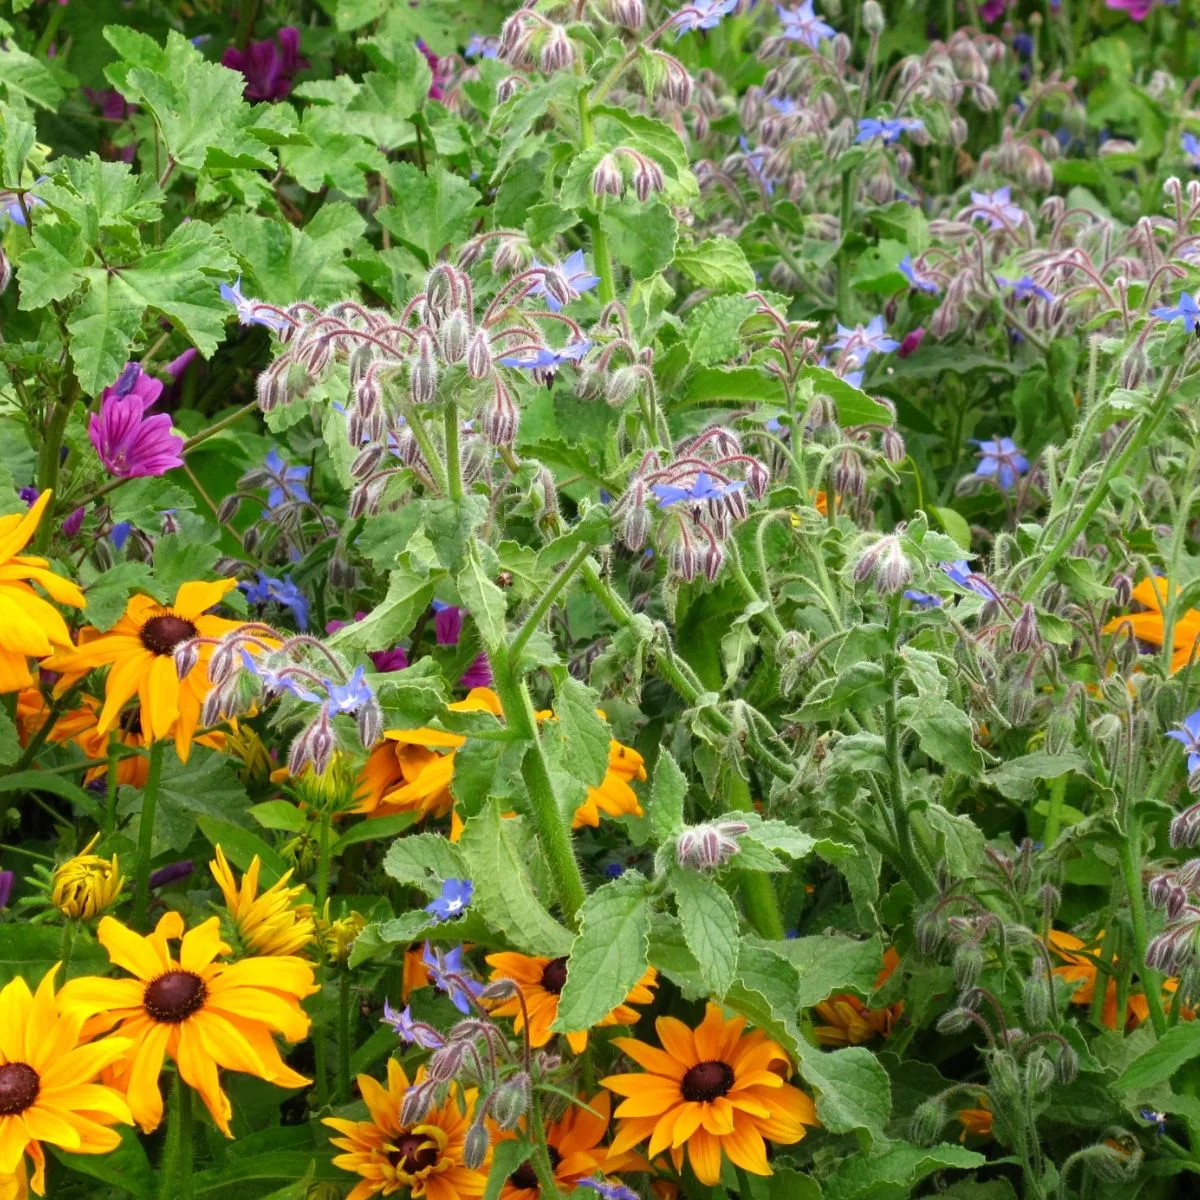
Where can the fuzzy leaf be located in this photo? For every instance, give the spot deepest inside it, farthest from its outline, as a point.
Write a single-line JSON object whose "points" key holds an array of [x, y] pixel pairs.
{"points": [[409, 593], [608, 956], [428, 211], [587, 735], [642, 237], [830, 963], [425, 860], [484, 600], [892, 1174], [711, 329], [668, 791], [944, 732], [718, 263], [710, 926], [1176, 1047]]}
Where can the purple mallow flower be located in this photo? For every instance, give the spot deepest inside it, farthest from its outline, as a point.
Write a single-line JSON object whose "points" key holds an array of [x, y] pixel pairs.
{"points": [[803, 25], [996, 208], [250, 311], [171, 873], [704, 14], [450, 976], [415, 1033], [571, 277], [1188, 735], [7, 879], [859, 343], [1003, 459], [1136, 10], [288, 482], [1187, 311], [129, 443], [912, 342], [705, 488], [915, 278], [887, 128], [478, 674], [993, 10], [1025, 289], [453, 901], [283, 592], [268, 66]]}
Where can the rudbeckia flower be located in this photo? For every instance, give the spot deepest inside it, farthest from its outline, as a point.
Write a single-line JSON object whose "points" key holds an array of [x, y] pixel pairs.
{"points": [[714, 1091], [272, 923], [575, 1151], [976, 1122], [48, 1088], [541, 981], [614, 796], [426, 1158], [847, 1021], [30, 627], [1150, 626], [84, 886], [201, 1013], [139, 651]]}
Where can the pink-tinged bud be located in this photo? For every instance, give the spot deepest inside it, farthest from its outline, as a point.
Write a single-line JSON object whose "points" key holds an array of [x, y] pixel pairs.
{"points": [[500, 420], [647, 179], [636, 527], [629, 13], [224, 663], [187, 654], [72, 525], [607, 179], [849, 476], [479, 355], [269, 388], [706, 847], [557, 52], [5, 271], [685, 560], [422, 376], [758, 478], [895, 571], [367, 396], [911, 341], [417, 1102], [228, 508], [1025, 633], [322, 744], [1177, 899], [356, 428], [453, 335], [508, 87], [407, 449], [894, 449], [714, 560], [368, 459]]}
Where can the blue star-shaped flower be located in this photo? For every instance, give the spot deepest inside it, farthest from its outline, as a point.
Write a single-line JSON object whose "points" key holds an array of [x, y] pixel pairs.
{"points": [[803, 25], [1024, 288], [1188, 735], [608, 1191], [996, 208], [887, 128], [415, 1033], [862, 341], [1190, 145], [574, 271], [350, 696], [450, 976], [1003, 459], [705, 488], [1187, 311], [289, 482], [962, 573], [548, 360], [915, 278], [703, 14], [249, 312], [453, 901]]}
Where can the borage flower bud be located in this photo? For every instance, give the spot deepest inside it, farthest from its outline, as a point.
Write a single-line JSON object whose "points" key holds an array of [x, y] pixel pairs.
{"points": [[268, 388], [557, 52], [607, 179], [5, 271], [872, 18], [705, 847], [894, 572], [422, 375], [636, 527], [849, 476], [894, 449], [187, 654], [927, 1122], [1177, 900], [370, 723], [685, 560], [1025, 633], [500, 420], [365, 463], [445, 1064], [621, 385], [475, 1147], [479, 355], [417, 1102], [1185, 828], [629, 13], [647, 179], [1158, 891], [510, 1101], [714, 560], [758, 478]]}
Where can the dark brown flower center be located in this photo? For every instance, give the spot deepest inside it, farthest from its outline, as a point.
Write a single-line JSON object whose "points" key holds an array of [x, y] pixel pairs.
{"points": [[131, 720], [413, 1153], [554, 975], [160, 635], [707, 1081], [173, 997], [19, 1087], [526, 1177]]}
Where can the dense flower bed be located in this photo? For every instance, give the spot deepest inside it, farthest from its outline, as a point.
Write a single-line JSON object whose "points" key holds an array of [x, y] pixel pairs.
{"points": [[599, 598]]}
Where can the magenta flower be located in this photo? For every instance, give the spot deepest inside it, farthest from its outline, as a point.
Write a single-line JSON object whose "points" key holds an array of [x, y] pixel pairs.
{"points": [[1137, 10], [73, 524], [442, 69], [128, 442], [992, 10], [447, 623], [268, 65], [478, 674], [911, 342], [395, 659]]}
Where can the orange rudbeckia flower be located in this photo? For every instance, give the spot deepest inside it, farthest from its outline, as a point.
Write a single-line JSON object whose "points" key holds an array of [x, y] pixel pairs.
{"points": [[976, 1122], [714, 1091], [30, 627], [200, 1012], [541, 981], [1150, 625], [847, 1021], [139, 651]]}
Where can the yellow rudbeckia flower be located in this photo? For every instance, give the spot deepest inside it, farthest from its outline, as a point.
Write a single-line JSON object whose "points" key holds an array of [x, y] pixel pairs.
{"points": [[272, 923]]}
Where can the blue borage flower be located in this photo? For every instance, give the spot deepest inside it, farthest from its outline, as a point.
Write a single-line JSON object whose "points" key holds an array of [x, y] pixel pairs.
{"points": [[803, 25], [1003, 459], [453, 901], [450, 976], [961, 573], [283, 592], [607, 1190], [350, 696], [1190, 145], [1155, 1118], [252, 312], [888, 129], [1025, 288], [703, 14], [859, 343], [1187, 311], [996, 208], [481, 46], [915, 278], [1188, 735], [756, 167], [784, 105], [544, 359], [705, 488], [573, 271], [411, 1031], [288, 482]]}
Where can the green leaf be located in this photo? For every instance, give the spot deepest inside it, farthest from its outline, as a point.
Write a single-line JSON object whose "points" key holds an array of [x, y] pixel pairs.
{"points": [[484, 601], [831, 963], [504, 894], [894, 1173], [425, 860], [710, 926], [31, 950], [106, 597], [955, 525], [587, 735], [26, 82], [337, 154], [668, 790], [428, 211], [17, 138], [711, 330], [507, 1157], [101, 197], [205, 786], [10, 744], [408, 595], [1177, 1046], [178, 559], [126, 1168], [641, 237], [383, 109], [655, 139], [51, 268], [944, 732], [669, 955], [279, 814], [1019, 777], [102, 329], [861, 686], [718, 263], [54, 785], [854, 406], [609, 956], [732, 387], [377, 829]]}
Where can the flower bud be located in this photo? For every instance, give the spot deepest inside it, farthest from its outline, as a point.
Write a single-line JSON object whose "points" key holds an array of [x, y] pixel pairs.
{"points": [[714, 559], [422, 376], [968, 965], [1066, 1067], [895, 570], [647, 179], [557, 51], [685, 560], [621, 385], [445, 1064], [5, 271], [956, 1020], [1037, 999], [927, 1122], [629, 13], [1025, 633], [187, 654], [84, 886], [500, 419], [872, 18], [510, 1102], [607, 179], [894, 449], [453, 334], [417, 1102], [475, 1147], [1039, 1074], [479, 355], [369, 719], [758, 479]]}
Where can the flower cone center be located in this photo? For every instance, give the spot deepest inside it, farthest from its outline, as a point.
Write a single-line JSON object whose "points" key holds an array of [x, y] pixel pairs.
{"points": [[19, 1087], [707, 1081], [173, 997], [526, 1177], [160, 635], [131, 720], [554, 975], [413, 1153]]}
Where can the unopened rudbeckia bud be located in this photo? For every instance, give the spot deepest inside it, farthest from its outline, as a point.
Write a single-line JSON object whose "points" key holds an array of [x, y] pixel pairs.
{"points": [[872, 18], [511, 1101], [84, 886], [607, 179], [1025, 633], [557, 52], [479, 355], [475, 1147]]}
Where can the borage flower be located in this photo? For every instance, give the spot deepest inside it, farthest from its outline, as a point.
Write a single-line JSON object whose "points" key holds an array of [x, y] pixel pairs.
{"points": [[803, 25], [573, 1142], [201, 1013], [1003, 459], [269, 924], [1187, 311], [426, 1157], [859, 343], [287, 482], [887, 129], [285, 593], [48, 1088], [1188, 735], [251, 311], [1190, 145], [139, 651], [917, 280], [997, 208], [541, 981], [30, 627], [546, 360], [1025, 288], [703, 489], [570, 277], [453, 900], [449, 974], [713, 1091], [703, 14]]}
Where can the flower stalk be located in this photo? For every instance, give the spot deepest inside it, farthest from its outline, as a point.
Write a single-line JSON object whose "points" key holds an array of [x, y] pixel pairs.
{"points": [[145, 848]]}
